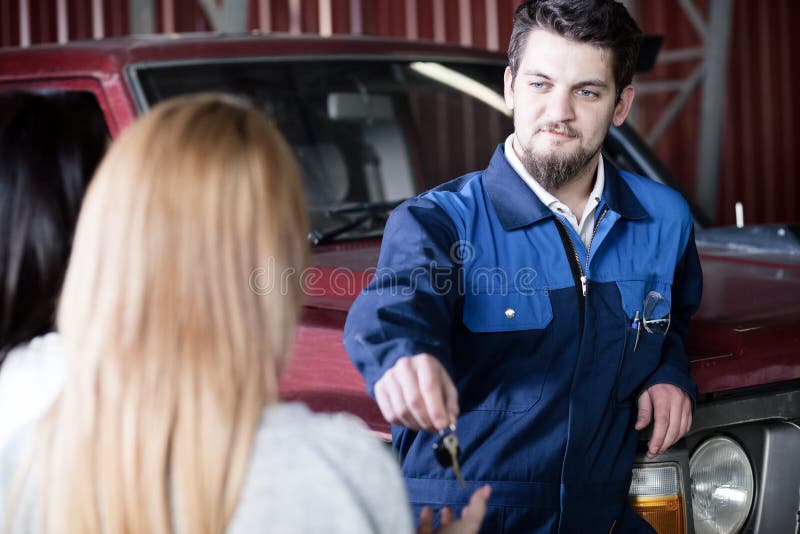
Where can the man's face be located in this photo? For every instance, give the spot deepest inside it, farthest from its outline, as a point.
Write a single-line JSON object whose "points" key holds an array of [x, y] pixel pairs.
{"points": [[563, 98]]}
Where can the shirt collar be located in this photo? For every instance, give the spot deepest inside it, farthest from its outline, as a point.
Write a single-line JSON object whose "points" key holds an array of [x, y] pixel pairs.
{"points": [[516, 205], [599, 181]]}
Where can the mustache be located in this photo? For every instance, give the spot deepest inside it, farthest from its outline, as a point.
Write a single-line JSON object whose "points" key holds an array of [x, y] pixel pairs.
{"points": [[559, 128]]}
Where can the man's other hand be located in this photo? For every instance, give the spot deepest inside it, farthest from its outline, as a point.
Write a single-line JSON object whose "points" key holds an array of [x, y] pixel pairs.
{"points": [[418, 393], [672, 409]]}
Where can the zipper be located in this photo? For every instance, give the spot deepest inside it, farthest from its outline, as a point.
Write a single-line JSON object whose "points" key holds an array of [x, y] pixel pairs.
{"points": [[580, 273], [589, 248]]}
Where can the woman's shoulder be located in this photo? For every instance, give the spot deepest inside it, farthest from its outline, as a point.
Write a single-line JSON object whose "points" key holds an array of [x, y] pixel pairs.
{"points": [[293, 417], [312, 472], [292, 429]]}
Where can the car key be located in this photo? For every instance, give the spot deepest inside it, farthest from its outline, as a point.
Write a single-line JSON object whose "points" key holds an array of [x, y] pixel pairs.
{"points": [[451, 444], [442, 453], [447, 452]]}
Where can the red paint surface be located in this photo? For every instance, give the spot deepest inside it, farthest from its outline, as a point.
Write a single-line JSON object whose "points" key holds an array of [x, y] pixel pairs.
{"points": [[321, 375], [747, 331]]}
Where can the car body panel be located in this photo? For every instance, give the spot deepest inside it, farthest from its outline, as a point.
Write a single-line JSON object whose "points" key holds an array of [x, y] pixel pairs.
{"points": [[747, 331]]}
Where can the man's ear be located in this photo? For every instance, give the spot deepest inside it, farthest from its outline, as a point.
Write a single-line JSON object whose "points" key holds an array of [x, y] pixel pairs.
{"points": [[623, 107], [508, 88]]}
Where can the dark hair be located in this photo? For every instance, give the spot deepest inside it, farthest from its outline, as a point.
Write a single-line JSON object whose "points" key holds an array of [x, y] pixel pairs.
{"points": [[604, 23], [50, 145]]}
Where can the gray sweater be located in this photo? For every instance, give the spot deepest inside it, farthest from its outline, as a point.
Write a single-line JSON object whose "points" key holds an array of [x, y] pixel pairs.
{"points": [[308, 473]]}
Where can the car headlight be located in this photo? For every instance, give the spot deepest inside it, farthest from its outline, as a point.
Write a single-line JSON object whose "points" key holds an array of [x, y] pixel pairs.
{"points": [[722, 486]]}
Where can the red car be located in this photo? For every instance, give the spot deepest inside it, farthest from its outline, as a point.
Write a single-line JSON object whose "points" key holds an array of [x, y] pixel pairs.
{"points": [[374, 121]]}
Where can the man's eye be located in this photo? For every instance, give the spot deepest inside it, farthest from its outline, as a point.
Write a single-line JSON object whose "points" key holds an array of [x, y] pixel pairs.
{"points": [[587, 93], [538, 85]]}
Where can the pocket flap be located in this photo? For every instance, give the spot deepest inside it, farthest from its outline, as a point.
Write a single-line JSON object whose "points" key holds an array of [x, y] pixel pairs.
{"points": [[634, 292], [508, 312]]}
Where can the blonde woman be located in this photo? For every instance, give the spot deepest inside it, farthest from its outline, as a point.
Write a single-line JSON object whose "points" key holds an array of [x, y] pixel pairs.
{"points": [[169, 419]]}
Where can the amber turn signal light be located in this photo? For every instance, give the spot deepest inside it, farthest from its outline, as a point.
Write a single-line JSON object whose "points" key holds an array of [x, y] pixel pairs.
{"points": [[656, 494], [666, 514]]}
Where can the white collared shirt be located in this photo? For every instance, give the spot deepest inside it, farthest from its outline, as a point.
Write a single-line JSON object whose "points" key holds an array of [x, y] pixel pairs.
{"points": [[586, 226]]}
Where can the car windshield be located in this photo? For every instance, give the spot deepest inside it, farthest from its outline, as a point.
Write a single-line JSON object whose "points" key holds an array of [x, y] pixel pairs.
{"points": [[367, 133]]}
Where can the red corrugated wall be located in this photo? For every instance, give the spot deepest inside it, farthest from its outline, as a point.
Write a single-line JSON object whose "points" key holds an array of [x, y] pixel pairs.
{"points": [[43, 20], [758, 160]]}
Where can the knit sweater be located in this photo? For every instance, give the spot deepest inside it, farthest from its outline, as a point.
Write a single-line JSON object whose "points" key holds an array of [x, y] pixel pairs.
{"points": [[307, 473]]}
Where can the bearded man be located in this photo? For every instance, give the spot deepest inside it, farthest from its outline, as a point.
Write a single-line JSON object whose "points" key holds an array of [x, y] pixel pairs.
{"points": [[551, 365]]}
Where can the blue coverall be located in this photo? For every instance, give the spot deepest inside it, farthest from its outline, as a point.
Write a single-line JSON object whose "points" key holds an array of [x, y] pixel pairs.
{"points": [[476, 273]]}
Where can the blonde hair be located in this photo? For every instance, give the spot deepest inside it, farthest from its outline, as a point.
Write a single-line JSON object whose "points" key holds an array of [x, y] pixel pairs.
{"points": [[171, 355]]}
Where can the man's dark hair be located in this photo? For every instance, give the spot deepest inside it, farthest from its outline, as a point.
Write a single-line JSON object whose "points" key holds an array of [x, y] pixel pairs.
{"points": [[603, 23], [50, 145]]}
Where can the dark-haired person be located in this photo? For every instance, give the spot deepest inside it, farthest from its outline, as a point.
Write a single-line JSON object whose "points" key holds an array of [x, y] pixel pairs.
{"points": [[50, 145], [551, 325]]}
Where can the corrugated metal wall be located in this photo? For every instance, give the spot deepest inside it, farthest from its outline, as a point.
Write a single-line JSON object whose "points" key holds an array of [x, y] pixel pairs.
{"points": [[760, 153], [759, 160], [482, 23]]}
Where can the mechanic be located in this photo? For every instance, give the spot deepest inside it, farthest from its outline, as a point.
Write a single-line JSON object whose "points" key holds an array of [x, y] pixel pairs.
{"points": [[542, 303]]}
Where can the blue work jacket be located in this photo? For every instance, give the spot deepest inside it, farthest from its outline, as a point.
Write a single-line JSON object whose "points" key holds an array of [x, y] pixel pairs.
{"points": [[482, 275]]}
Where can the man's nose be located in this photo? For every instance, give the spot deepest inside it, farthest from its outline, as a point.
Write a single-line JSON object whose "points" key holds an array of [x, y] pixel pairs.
{"points": [[560, 106]]}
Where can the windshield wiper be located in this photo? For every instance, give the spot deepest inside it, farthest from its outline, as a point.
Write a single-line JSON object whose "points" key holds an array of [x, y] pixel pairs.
{"points": [[366, 207], [368, 211]]}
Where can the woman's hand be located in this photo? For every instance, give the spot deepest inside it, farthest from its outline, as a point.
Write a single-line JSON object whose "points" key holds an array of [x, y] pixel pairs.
{"points": [[471, 516]]}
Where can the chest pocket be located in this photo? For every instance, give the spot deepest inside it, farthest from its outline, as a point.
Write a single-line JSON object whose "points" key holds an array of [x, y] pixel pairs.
{"points": [[640, 359], [503, 364]]}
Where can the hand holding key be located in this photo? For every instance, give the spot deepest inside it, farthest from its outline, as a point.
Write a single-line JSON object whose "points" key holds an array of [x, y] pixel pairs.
{"points": [[447, 452], [417, 393]]}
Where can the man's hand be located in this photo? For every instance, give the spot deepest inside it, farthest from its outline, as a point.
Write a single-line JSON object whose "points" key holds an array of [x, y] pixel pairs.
{"points": [[673, 416], [418, 393], [471, 516]]}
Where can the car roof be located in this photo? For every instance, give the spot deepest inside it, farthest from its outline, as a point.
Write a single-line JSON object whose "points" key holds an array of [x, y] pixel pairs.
{"points": [[113, 54]]}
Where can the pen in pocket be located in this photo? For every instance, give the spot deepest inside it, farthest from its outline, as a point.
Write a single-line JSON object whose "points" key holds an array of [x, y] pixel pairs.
{"points": [[638, 326]]}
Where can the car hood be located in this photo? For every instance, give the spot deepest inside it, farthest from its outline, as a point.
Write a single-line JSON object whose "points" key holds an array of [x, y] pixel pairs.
{"points": [[319, 372], [747, 330], [337, 275]]}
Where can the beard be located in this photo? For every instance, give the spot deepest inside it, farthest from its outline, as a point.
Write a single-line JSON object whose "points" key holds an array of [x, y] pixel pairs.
{"points": [[554, 170]]}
